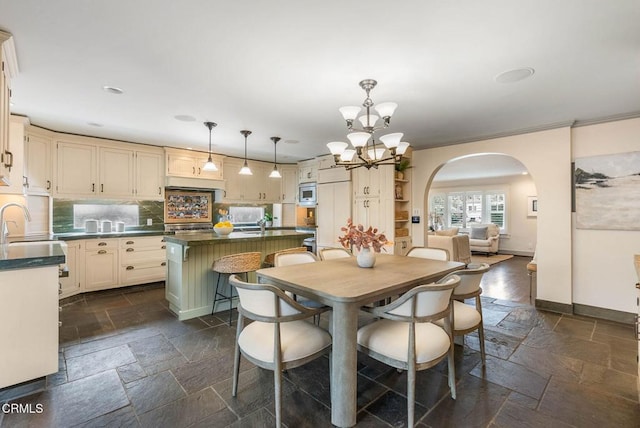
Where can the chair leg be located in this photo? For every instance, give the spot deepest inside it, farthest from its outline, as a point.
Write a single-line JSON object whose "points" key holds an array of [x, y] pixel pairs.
{"points": [[236, 358], [452, 372], [411, 394], [481, 330], [216, 294], [277, 380]]}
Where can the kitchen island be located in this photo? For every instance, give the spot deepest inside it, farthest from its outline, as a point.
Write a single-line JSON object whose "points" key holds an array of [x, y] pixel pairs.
{"points": [[190, 281], [29, 310]]}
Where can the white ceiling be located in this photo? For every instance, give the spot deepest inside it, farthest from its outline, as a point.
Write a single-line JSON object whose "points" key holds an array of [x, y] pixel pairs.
{"points": [[284, 67]]}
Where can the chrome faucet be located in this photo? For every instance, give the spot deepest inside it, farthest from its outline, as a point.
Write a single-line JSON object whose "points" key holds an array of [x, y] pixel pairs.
{"points": [[262, 223], [3, 223]]}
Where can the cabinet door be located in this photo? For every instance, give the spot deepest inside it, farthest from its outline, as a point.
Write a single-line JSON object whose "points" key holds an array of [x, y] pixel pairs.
{"points": [[149, 176], [101, 269], [37, 164], [289, 184], [234, 182], [272, 186], [334, 208], [116, 172], [70, 285], [5, 91], [15, 174], [211, 175], [181, 165], [76, 169]]}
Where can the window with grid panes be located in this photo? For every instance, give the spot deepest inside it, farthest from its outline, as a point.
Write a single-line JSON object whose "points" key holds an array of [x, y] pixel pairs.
{"points": [[467, 209]]}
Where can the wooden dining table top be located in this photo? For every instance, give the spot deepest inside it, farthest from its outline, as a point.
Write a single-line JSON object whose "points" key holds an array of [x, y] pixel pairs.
{"points": [[342, 280]]}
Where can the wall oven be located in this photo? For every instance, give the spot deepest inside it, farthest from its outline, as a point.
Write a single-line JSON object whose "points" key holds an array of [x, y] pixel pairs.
{"points": [[307, 194]]}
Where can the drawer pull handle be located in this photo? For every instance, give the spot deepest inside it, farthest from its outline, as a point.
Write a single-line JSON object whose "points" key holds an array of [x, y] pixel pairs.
{"points": [[130, 242], [59, 323], [130, 268], [129, 250], [163, 264], [102, 244], [164, 247], [102, 252]]}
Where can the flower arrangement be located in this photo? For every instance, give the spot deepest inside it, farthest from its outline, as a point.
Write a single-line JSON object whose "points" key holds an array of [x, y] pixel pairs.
{"points": [[360, 237]]}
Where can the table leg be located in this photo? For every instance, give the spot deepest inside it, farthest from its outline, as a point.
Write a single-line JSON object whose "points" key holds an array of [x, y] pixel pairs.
{"points": [[344, 357]]}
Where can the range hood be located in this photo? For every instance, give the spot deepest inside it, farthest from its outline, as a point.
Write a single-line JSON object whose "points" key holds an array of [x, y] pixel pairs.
{"points": [[193, 183]]}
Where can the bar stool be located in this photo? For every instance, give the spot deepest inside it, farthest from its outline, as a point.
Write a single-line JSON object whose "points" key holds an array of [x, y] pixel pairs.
{"points": [[229, 265]]}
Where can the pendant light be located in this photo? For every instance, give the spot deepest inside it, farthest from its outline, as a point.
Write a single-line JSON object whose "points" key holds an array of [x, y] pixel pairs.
{"points": [[245, 170], [209, 165], [275, 173]]}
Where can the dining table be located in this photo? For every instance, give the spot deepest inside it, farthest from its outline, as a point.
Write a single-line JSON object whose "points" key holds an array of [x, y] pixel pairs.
{"points": [[346, 287]]}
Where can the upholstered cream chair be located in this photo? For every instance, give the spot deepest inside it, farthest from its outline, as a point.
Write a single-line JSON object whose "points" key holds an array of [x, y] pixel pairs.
{"points": [[405, 338], [467, 318], [279, 338], [484, 238], [456, 245], [532, 271], [429, 253], [334, 253]]}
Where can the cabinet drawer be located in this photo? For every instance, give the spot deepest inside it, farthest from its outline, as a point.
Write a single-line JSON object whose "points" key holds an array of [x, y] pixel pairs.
{"points": [[143, 242], [143, 273], [134, 255], [101, 244]]}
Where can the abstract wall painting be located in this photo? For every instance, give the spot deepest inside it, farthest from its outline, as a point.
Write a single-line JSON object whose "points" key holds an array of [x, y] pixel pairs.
{"points": [[607, 192]]}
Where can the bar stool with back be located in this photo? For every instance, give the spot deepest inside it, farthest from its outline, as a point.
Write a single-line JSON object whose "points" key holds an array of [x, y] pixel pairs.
{"points": [[241, 263]]}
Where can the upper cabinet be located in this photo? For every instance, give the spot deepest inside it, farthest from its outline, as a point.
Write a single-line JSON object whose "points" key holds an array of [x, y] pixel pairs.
{"points": [[86, 168], [14, 180], [8, 69], [37, 162], [308, 171], [189, 164], [289, 183], [255, 188]]}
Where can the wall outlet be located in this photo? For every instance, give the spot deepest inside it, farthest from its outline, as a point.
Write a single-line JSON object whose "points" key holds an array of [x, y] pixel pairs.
{"points": [[149, 222]]}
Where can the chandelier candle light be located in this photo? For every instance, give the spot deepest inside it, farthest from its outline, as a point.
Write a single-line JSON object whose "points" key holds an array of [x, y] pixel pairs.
{"points": [[366, 153]]}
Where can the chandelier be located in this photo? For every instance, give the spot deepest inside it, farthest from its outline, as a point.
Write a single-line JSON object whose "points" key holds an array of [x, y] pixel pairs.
{"points": [[366, 152]]}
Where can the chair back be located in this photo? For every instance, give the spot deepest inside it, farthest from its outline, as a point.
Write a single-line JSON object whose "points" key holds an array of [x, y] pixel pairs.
{"points": [[269, 258], [429, 253], [470, 279], [424, 303], [238, 263], [334, 253], [286, 259], [267, 303]]}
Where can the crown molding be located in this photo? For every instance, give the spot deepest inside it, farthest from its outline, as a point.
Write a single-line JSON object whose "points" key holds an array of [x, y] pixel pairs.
{"points": [[9, 50]]}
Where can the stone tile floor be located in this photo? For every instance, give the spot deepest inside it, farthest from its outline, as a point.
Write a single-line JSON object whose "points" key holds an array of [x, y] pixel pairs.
{"points": [[125, 360]]}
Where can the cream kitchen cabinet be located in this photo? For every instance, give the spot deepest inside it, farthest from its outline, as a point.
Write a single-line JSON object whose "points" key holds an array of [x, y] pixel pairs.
{"points": [[308, 171], [37, 162], [72, 284], [116, 169], [8, 69], [373, 203], [142, 260], [334, 208], [188, 164], [16, 172], [149, 169], [289, 184], [258, 187], [101, 264], [76, 170]]}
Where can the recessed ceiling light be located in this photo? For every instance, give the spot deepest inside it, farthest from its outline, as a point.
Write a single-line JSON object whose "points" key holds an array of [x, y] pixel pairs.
{"points": [[98, 125], [184, 118], [112, 90], [515, 75], [525, 172]]}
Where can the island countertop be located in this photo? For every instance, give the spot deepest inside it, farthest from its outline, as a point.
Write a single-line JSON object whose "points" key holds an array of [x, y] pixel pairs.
{"points": [[208, 238], [30, 255]]}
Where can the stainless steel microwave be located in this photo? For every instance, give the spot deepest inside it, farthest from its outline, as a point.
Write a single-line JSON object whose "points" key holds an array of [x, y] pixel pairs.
{"points": [[307, 194]]}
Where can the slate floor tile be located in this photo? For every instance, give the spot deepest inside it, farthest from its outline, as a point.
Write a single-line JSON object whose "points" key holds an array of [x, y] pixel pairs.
{"points": [[99, 361], [570, 346], [154, 391], [206, 343], [548, 363], [610, 381], [121, 418], [575, 327], [391, 408], [152, 350], [512, 376], [184, 411], [514, 415]]}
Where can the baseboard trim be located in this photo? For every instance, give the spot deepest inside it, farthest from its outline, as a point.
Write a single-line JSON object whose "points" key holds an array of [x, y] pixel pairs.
{"points": [[605, 314], [516, 253], [561, 308]]}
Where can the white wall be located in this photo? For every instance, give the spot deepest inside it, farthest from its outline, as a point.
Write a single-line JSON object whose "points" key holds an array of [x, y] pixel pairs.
{"points": [[547, 156], [604, 274], [521, 234]]}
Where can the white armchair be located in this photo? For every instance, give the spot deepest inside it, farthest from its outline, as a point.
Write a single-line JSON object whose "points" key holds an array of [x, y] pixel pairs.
{"points": [[484, 238]]}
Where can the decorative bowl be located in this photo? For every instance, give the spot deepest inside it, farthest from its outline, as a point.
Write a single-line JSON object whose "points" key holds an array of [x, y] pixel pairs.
{"points": [[223, 231]]}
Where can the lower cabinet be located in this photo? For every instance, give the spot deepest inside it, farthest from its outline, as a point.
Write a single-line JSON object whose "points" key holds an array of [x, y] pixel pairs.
{"points": [[100, 264], [401, 246]]}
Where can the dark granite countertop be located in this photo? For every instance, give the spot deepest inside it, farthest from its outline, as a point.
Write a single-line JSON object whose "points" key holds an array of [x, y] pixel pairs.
{"points": [[24, 255], [208, 238], [72, 236]]}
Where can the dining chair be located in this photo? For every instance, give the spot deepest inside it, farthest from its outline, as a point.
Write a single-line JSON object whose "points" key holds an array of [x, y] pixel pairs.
{"points": [[269, 258], [233, 264], [467, 318], [406, 338], [334, 253], [279, 338], [298, 258], [429, 253]]}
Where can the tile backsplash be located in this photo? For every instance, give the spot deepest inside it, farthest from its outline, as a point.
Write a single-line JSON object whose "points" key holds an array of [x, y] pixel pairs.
{"points": [[63, 214]]}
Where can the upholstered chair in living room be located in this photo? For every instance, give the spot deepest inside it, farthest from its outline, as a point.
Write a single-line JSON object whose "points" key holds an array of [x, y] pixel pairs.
{"points": [[456, 245], [485, 238]]}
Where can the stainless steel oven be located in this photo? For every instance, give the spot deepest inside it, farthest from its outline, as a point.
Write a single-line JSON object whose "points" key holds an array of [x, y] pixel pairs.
{"points": [[307, 194]]}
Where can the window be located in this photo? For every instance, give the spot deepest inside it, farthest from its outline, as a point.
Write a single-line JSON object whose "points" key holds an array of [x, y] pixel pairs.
{"points": [[468, 208]]}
